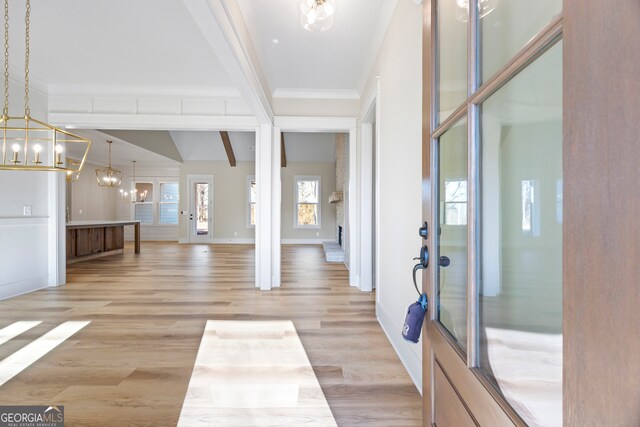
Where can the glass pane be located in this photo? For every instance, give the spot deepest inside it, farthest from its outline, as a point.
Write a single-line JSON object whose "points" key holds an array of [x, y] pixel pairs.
{"points": [[307, 214], [308, 191], [144, 213], [252, 190], [452, 179], [521, 286], [202, 209], [144, 192], [168, 213], [452, 48], [506, 26], [169, 192]]}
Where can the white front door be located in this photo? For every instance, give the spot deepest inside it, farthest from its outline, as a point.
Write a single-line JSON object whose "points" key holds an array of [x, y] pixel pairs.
{"points": [[200, 208]]}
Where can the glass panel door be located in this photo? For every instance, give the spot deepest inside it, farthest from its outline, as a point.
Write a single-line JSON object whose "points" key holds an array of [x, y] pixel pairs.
{"points": [[201, 209], [452, 242]]}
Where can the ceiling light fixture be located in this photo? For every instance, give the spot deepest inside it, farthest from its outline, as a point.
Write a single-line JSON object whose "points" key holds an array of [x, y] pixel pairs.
{"points": [[485, 7], [316, 15], [109, 177], [27, 143]]}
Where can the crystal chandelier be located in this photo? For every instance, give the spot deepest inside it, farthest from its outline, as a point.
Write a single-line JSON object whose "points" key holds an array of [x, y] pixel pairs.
{"points": [[27, 143], [109, 177], [485, 7], [316, 15]]}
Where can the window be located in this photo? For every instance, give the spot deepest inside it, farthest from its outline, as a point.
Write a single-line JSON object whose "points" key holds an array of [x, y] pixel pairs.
{"points": [[156, 203], [168, 204], [251, 201], [307, 202], [143, 206], [455, 202]]}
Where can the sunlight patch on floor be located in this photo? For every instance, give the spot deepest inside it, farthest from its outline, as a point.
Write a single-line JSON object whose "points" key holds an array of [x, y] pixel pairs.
{"points": [[27, 355]]}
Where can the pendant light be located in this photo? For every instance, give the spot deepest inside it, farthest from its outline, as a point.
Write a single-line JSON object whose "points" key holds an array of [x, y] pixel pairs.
{"points": [[316, 15], [485, 7], [27, 143], [109, 177]]}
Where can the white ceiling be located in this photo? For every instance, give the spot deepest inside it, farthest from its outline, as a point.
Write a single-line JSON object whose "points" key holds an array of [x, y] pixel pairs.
{"points": [[114, 42], [337, 59]]}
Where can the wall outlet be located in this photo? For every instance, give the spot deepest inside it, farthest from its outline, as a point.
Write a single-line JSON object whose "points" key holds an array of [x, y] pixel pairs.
{"points": [[80, 211], [235, 233], [317, 233], [26, 210]]}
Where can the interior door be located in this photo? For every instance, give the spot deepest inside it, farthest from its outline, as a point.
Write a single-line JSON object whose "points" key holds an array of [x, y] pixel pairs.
{"points": [[493, 200], [200, 209]]}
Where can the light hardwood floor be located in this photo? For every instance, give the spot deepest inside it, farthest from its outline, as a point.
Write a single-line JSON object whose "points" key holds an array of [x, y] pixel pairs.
{"points": [[131, 365]]}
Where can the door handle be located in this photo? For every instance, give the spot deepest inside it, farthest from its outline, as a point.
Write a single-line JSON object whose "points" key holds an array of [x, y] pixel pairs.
{"points": [[424, 263], [444, 261]]}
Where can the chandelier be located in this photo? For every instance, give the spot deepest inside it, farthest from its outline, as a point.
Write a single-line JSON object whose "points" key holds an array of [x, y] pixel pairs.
{"points": [[27, 143], [485, 7], [109, 177], [316, 15], [132, 194]]}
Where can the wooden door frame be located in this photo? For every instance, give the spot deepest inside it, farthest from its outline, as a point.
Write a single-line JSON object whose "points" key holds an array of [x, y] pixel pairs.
{"points": [[207, 177]]}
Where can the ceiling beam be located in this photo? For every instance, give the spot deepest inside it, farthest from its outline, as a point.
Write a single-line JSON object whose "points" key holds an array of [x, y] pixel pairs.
{"points": [[228, 148], [283, 153]]}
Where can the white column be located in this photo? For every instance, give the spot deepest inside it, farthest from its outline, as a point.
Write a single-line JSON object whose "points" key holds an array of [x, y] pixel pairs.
{"points": [[276, 207], [267, 208], [57, 230]]}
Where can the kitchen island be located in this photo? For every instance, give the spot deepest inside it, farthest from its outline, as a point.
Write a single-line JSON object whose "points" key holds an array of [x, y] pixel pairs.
{"points": [[93, 239]]}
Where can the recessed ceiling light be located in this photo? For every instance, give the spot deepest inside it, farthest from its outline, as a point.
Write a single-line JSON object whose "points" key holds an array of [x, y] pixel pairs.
{"points": [[275, 41]]}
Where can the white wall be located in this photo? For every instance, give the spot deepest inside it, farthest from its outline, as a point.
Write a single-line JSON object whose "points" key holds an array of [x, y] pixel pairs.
{"points": [[230, 200], [399, 66], [24, 241], [124, 208], [90, 201], [327, 173]]}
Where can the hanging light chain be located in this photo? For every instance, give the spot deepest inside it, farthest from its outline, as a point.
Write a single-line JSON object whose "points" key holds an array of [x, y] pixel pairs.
{"points": [[5, 111], [27, 22]]}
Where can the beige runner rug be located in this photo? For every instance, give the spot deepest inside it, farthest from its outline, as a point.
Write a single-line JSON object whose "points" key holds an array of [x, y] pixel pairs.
{"points": [[253, 374]]}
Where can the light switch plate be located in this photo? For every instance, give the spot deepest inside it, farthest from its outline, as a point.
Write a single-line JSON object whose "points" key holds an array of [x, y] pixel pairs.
{"points": [[26, 210]]}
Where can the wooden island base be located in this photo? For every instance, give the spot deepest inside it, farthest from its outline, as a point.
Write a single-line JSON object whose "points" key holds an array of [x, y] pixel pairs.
{"points": [[93, 239]]}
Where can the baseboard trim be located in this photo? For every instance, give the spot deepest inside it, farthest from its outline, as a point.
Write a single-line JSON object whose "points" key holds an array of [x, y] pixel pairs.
{"points": [[413, 368], [14, 289], [303, 241], [234, 241]]}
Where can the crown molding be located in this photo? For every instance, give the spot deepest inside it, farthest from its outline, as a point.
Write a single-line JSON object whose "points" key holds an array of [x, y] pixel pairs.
{"points": [[346, 94]]}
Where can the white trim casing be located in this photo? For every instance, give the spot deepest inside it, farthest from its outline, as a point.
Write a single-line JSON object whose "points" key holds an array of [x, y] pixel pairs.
{"points": [[334, 125], [370, 115]]}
